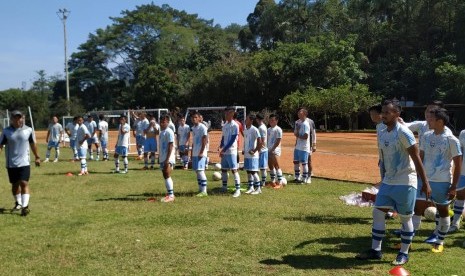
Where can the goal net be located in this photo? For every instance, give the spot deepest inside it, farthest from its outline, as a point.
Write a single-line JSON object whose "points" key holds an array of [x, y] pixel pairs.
{"points": [[213, 117]]}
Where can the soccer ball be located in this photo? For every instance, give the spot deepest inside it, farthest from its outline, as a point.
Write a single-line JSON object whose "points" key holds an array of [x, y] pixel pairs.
{"points": [[218, 166], [216, 176], [284, 181], [430, 213]]}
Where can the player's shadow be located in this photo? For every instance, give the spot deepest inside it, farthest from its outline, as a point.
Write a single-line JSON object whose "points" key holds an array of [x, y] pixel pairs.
{"points": [[146, 196], [325, 219], [340, 244], [318, 261]]}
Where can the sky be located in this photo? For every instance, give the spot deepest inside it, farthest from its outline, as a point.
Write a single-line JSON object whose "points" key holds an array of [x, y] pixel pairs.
{"points": [[31, 34]]}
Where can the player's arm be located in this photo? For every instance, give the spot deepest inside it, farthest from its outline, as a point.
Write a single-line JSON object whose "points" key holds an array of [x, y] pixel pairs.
{"points": [[68, 132], [168, 154], [48, 135], [35, 151], [188, 138], [313, 136], [258, 147], [204, 144], [415, 155], [276, 144], [457, 160]]}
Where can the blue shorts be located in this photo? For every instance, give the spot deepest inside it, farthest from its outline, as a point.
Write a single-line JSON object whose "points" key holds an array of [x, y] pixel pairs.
{"points": [[439, 192], [72, 144], [121, 150], [82, 153], [263, 160], [251, 164], [397, 197], [199, 164], [301, 156], [229, 162], [104, 143], [150, 145], [140, 140], [92, 140], [52, 144], [461, 184]]}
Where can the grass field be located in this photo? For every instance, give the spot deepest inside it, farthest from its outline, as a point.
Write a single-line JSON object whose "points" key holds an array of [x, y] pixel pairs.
{"points": [[102, 224]]}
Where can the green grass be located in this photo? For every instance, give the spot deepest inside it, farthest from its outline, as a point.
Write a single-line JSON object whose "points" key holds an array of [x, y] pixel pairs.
{"points": [[102, 224]]}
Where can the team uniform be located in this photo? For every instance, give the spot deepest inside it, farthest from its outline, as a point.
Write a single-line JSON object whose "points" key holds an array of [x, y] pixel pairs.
{"points": [[166, 138], [379, 128], [150, 145], [103, 127], [301, 151], [55, 132], [91, 127], [273, 134], [263, 156], [459, 203], [140, 126], [183, 142], [72, 128], [82, 150], [230, 131], [439, 150], [199, 163], [251, 160], [122, 146]]}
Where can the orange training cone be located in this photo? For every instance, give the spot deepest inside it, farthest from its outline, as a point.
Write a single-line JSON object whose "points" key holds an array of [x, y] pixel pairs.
{"points": [[399, 271], [69, 174]]}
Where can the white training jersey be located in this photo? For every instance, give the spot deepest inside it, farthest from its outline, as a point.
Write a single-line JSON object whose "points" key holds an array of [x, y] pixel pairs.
{"points": [[303, 128], [250, 141], [140, 126], [462, 146], [274, 133], [123, 138], [152, 128], [103, 127], [183, 134], [91, 127], [393, 145], [172, 126], [228, 131], [421, 127], [81, 133], [263, 134], [55, 132], [438, 153], [166, 137], [16, 142], [198, 132], [312, 136], [72, 128]]}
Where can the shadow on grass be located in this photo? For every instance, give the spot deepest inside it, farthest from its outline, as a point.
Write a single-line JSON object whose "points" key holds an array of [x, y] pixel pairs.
{"points": [[317, 261], [147, 196], [325, 219]]}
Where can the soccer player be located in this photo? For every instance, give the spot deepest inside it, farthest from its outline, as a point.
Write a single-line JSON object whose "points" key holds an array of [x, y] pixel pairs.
{"points": [[437, 150], [92, 128], [241, 134], [16, 139], [138, 132], [302, 147], [167, 156], [274, 135], [150, 145], [376, 117], [183, 142], [312, 142], [208, 126], [251, 151], [103, 136], [199, 152], [54, 134], [399, 186], [71, 129], [228, 151], [459, 202], [263, 156], [121, 147], [82, 137]]}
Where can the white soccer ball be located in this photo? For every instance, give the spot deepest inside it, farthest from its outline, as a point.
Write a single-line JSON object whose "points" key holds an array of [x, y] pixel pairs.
{"points": [[284, 181], [218, 166], [430, 213], [216, 176]]}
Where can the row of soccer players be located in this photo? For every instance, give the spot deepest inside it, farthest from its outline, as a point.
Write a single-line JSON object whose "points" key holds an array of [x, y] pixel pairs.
{"points": [[437, 174]]}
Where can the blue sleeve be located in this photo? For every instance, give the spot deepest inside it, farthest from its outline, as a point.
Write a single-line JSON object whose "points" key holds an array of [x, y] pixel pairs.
{"points": [[230, 142]]}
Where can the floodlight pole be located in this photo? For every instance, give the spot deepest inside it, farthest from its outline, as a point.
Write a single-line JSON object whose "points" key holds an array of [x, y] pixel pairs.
{"points": [[63, 15]]}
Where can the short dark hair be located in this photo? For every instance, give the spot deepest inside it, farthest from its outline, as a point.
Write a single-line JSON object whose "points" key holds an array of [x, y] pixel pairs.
{"points": [[377, 108], [123, 116], [229, 108], [440, 114], [436, 103], [165, 117], [252, 117], [101, 116], [196, 112], [395, 104], [260, 116], [274, 116]]}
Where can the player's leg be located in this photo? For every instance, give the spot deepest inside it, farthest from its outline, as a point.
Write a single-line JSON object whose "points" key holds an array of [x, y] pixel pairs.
{"points": [[25, 173], [125, 159], [57, 151], [404, 197], [116, 156], [459, 205], [166, 171], [304, 161], [439, 194], [98, 149], [271, 163], [82, 155], [13, 176], [263, 166], [47, 153], [201, 177], [297, 178], [90, 141], [309, 165], [232, 160]]}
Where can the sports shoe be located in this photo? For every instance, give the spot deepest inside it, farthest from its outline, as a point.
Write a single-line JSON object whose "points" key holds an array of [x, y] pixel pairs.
{"points": [[308, 180], [152, 168], [370, 254], [201, 194], [115, 171], [454, 228], [401, 259], [25, 211], [270, 184], [145, 168], [437, 248], [16, 208], [256, 192], [297, 181], [250, 190], [167, 199], [82, 173], [237, 193], [432, 239], [46, 160], [55, 160], [123, 172]]}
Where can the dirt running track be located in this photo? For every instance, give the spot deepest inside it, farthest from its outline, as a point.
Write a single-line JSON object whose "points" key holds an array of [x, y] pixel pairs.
{"points": [[343, 156]]}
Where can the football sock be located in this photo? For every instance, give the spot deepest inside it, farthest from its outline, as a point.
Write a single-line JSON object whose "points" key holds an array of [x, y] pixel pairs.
{"points": [[169, 186], [250, 180], [83, 165], [379, 229], [18, 199], [263, 174], [280, 175], [273, 175], [224, 178], [444, 224], [57, 153], [458, 211], [117, 163], [237, 180], [256, 180], [416, 220], [296, 171], [304, 171], [202, 179], [25, 199], [47, 154], [436, 221], [406, 234], [125, 162]]}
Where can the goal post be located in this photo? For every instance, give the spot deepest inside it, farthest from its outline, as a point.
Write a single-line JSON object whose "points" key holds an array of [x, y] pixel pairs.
{"points": [[213, 116]]}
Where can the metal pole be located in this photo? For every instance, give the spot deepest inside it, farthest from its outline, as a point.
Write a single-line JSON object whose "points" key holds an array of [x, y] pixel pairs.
{"points": [[63, 15]]}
